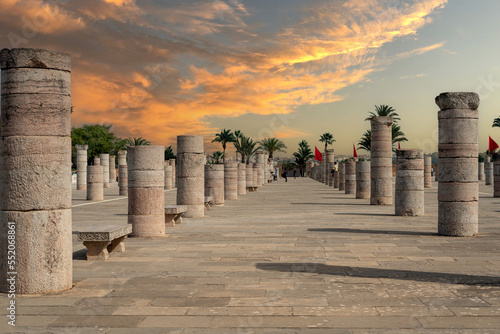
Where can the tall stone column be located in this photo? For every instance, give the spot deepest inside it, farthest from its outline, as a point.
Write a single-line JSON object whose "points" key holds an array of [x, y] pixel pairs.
{"points": [[112, 169], [350, 177], [329, 160], [342, 176], [242, 178], [81, 167], [261, 163], [331, 166], [458, 189], [95, 189], [363, 179], [122, 158], [122, 173], [480, 172], [35, 170], [489, 171], [214, 183], [249, 175], [496, 173], [381, 161], [256, 180], [409, 197], [146, 196], [427, 172], [168, 175], [105, 168], [231, 180], [174, 173], [191, 175]]}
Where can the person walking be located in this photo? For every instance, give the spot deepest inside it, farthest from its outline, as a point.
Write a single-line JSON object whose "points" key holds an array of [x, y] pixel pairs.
{"points": [[283, 175]]}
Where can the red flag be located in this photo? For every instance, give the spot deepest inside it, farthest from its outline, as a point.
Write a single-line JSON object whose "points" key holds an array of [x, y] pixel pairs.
{"points": [[399, 145], [317, 154], [354, 154], [493, 146]]}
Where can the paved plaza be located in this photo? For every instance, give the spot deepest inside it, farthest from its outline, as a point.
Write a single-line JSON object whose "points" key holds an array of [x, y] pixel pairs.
{"points": [[292, 257]]}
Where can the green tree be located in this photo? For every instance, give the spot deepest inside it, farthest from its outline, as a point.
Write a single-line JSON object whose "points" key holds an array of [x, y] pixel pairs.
{"points": [[216, 157], [137, 141], [224, 137], [303, 154], [272, 145], [365, 143], [239, 144], [169, 153], [384, 110], [496, 123], [250, 147], [326, 138]]}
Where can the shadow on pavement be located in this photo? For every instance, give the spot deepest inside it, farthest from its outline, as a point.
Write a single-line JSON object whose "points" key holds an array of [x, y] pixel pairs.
{"points": [[349, 230]]}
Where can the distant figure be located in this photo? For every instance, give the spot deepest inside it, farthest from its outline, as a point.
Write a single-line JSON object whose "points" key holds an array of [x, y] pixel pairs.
{"points": [[432, 171], [276, 174], [283, 175], [294, 174]]}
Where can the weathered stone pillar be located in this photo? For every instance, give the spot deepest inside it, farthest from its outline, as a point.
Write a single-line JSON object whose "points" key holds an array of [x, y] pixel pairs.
{"points": [[97, 161], [331, 166], [81, 167], [256, 179], [329, 160], [168, 175], [174, 173], [489, 171], [122, 158], [496, 173], [214, 183], [427, 172], [381, 161], [146, 196], [480, 172], [249, 175], [458, 190], [342, 176], [242, 178], [231, 180], [105, 168], [35, 170], [350, 177], [191, 175], [261, 163], [122, 173], [95, 189], [409, 197], [363, 179], [112, 169]]}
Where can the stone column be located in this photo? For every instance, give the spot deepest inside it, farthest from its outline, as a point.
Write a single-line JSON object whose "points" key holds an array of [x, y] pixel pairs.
{"points": [[97, 161], [214, 183], [174, 173], [381, 161], [427, 172], [105, 168], [231, 180], [112, 169], [342, 176], [409, 197], [122, 158], [480, 172], [256, 179], [350, 177], [436, 172], [168, 175], [458, 189], [81, 167], [261, 165], [336, 178], [146, 196], [249, 175], [95, 189], [331, 166], [242, 178], [489, 171], [35, 170], [363, 179], [496, 173], [191, 175], [329, 160], [123, 180]]}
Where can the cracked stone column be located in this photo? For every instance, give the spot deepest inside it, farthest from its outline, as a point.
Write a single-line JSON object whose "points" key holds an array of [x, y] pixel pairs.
{"points": [[112, 169], [489, 171], [122, 173], [105, 168], [231, 180], [146, 196], [496, 173], [329, 160], [427, 172], [242, 178], [214, 183], [409, 195], [95, 189], [480, 172], [174, 173], [81, 167], [342, 176], [350, 177], [249, 175], [191, 175], [168, 175], [381, 161], [256, 175], [35, 169], [363, 179], [261, 162], [458, 189]]}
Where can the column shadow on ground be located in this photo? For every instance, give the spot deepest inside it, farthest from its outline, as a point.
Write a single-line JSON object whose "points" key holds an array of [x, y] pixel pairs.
{"points": [[365, 214], [339, 204], [420, 276], [356, 231]]}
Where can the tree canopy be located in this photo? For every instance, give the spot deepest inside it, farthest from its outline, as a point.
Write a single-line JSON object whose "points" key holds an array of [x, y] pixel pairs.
{"points": [[99, 139]]}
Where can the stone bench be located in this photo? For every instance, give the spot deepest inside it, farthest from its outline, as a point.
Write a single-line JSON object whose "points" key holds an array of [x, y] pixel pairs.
{"points": [[208, 201], [102, 240], [252, 188], [173, 214]]}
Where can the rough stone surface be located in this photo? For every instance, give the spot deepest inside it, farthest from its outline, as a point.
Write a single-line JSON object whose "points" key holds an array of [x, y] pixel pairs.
{"points": [[488, 170], [480, 172], [214, 183], [329, 159], [81, 167], [123, 180], [105, 168], [95, 191], [168, 176], [363, 181], [231, 180], [409, 195], [381, 161], [427, 172], [191, 175], [112, 169], [249, 175], [342, 176], [496, 177], [350, 177], [242, 179], [174, 173], [458, 100]]}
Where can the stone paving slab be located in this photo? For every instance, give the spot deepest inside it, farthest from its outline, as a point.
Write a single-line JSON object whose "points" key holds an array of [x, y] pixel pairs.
{"points": [[295, 257]]}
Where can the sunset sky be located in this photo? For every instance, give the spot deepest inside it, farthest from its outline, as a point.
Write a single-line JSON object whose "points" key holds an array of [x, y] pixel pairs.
{"points": [[292, 69]]}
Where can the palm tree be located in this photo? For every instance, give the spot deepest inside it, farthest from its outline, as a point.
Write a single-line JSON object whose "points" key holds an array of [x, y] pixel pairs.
{"points": [[496, 122], [326, 138], [137, 141], [249, 147], [224, 137], [239, 142], [272, 145], [303, 154], [365, 143], [384, 110], [216, 157], [397, 135]]}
